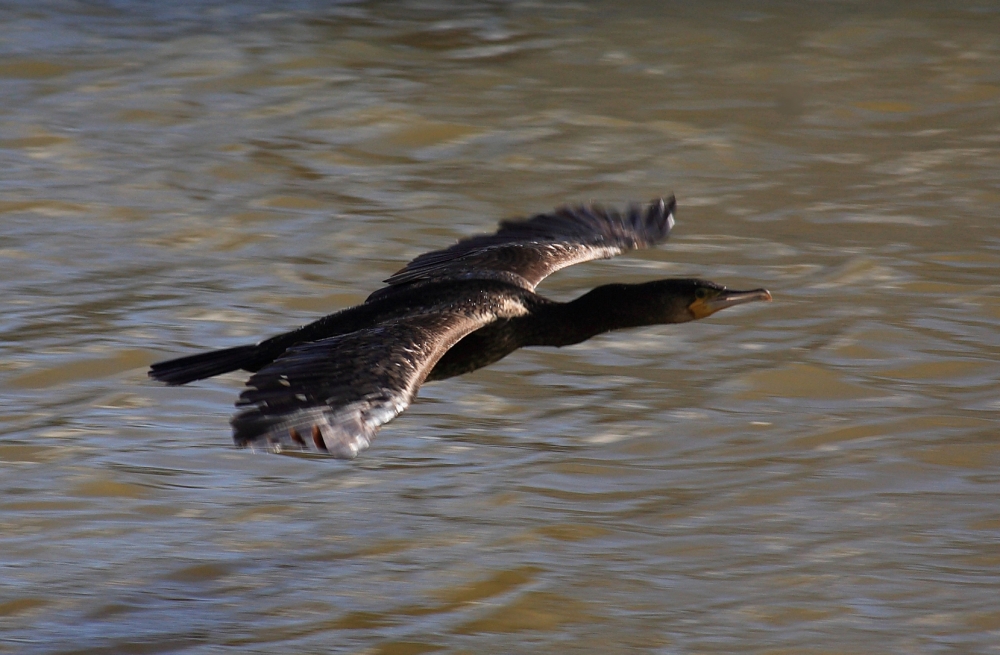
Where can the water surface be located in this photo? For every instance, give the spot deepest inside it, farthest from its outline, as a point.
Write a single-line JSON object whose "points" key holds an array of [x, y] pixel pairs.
{"points": [[818, 475]]}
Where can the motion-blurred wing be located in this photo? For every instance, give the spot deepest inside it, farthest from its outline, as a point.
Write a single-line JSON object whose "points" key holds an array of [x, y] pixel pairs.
{"points": [[525, 252], [332, 396]]}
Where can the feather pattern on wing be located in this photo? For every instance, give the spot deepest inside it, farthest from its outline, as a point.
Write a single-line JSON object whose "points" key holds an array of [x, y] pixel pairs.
{"points": [[331, 396], [525, 252]]}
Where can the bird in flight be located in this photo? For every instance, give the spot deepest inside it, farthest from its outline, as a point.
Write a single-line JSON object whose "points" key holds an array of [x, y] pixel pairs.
{"points": [[329, 386]]}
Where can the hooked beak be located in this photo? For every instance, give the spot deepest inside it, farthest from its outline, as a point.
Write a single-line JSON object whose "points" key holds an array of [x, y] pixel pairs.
{"points": [[708, 306]]}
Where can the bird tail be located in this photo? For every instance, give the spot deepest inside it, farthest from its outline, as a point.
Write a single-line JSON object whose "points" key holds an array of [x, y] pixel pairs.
{"points": [[205, 365]]}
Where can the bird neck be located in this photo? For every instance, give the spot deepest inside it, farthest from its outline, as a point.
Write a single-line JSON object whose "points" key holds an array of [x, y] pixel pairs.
{"points": [[602, 309]]}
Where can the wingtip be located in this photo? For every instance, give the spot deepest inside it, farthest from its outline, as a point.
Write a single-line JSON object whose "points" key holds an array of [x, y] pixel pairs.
{"points": [[667, 205], [660, 211], [670, 209]]}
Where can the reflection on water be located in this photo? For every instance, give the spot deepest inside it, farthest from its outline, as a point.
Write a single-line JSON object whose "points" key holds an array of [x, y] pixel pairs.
{"points": [[815, 475]]}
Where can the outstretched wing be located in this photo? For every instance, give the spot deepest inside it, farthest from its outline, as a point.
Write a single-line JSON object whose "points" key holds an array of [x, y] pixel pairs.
{"points": [[525, 252], [332, 396]]}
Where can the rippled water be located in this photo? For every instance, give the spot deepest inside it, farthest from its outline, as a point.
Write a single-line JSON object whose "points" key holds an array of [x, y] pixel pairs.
{"points": [[819, 475]]}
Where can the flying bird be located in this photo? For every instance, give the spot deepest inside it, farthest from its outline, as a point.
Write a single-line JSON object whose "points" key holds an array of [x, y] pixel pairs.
{"points": [[329, 386]]}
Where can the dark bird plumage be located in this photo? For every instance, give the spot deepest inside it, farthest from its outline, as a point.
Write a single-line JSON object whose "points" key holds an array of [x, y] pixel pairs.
{"points": [[328, 386]]}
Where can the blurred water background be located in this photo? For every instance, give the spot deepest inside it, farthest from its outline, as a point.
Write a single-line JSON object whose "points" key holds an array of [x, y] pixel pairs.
{"points": [[818, 475]]}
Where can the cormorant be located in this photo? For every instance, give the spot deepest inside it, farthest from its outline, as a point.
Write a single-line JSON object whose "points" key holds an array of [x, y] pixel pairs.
{"points": [[328, 386]]}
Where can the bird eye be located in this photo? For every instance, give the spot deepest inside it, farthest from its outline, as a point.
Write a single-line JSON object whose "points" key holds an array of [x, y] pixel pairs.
{"points": [[701, 293]]}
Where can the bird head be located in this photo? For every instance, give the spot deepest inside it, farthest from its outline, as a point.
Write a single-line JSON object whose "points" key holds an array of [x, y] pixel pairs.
{"points": [[683, 300]]}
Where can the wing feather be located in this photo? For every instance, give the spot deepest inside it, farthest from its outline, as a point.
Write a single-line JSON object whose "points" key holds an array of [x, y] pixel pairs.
{"points": [[525, 252], [331, 396]]}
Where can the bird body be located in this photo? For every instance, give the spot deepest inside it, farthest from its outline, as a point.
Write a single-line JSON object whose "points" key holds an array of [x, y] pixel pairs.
{"points": [[328, 386]]}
